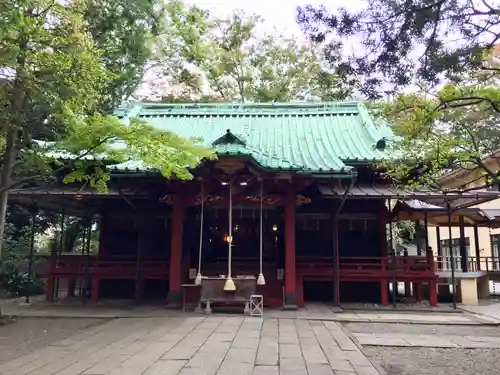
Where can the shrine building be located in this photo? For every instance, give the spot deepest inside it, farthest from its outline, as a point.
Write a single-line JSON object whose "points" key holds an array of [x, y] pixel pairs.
{"points": [[295, 198]]}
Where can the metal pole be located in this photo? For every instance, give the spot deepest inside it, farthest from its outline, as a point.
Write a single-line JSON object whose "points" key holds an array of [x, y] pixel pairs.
{"points": [[30, 261], [464, 255], [452, 258], [393, 260], [476, 247]]}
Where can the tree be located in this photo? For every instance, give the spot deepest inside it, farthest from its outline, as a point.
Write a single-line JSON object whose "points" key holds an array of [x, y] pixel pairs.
{"points": [[55, 81], [122, 31], [439, 133], [50, 72], [428, 39], [447, 50], [205, 58]]}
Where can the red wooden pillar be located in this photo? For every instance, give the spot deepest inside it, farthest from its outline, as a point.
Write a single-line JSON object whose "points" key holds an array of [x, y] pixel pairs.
{"points": [[49, 291], [384, 293], [290, 277], [94, 289], [433, 299], [174, 298]]}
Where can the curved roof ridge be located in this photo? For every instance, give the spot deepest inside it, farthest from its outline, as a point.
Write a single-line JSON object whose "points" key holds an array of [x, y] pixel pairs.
{"points": [[196, 109], [309, 137]]}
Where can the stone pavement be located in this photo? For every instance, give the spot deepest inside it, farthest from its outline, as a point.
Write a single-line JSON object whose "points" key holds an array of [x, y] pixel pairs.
{"points": [[310, 312], [487, 310], [199, 346], [428, 341]]}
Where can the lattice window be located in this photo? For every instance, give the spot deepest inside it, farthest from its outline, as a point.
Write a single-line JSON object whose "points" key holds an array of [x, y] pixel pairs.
{"points": [[495, 244]]}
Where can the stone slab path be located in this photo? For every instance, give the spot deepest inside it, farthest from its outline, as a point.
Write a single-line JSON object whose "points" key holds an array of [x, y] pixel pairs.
{"points": [[311, 312], [428, 341], [199, 346]]}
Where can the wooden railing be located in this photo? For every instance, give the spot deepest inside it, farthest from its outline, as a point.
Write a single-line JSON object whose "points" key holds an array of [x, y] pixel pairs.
{"points": [[488, 264], [111, 267], [369, 268]]}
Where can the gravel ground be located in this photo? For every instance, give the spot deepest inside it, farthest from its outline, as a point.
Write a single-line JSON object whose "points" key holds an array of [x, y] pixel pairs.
{"points": [[25, 335], [421, 329], [435, 361], [426, 361]]}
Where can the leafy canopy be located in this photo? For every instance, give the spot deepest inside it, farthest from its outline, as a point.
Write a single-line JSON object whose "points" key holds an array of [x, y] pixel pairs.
{"points": [[122, 31], [199, 57], [452, 128], [446, 49], [102, 139], [57, 86], [431, 40]]}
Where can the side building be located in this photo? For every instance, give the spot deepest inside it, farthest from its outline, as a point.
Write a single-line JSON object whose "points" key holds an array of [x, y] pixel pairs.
{"points": [[478, 244]]}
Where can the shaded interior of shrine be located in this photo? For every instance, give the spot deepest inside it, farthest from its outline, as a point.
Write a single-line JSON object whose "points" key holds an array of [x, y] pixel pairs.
{"points": [[360, 235], [319, 248]]}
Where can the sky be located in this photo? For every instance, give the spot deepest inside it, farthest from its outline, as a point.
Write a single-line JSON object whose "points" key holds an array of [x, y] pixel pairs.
{"points": [[276, 13]]}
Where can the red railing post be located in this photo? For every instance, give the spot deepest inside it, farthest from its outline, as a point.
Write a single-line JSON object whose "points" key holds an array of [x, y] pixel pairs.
{"points": [[384, 292]]}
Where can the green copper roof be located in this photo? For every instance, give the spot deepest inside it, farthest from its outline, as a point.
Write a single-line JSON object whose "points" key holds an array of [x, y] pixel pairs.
{"points": [[315, 138]]}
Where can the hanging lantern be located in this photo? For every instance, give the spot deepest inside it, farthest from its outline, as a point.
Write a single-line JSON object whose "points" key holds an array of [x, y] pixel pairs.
{"points": [[229, 285]]}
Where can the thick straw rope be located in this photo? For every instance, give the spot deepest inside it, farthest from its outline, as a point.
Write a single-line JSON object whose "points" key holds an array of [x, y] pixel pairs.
{"points": [[230, 242], [260, 279], [229, 284], [200, 250]]}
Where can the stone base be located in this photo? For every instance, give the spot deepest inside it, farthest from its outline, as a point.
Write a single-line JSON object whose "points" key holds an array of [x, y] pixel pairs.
{"points": [[468, 292], [290, 302], [174, 300]]}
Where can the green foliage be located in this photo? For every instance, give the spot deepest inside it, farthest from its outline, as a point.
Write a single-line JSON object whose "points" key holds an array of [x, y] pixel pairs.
{"points": [[63, 66], [404, 234], [229, 59], [72, 231], [62, 73], [448, 50], [94, 142], [453, 129], [52, 74], [429, 40], [14, 278], [122, 31]]}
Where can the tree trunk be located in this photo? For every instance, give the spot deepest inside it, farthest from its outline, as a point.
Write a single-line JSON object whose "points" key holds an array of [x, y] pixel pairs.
{"points": [[18, 96], [5, 177]]}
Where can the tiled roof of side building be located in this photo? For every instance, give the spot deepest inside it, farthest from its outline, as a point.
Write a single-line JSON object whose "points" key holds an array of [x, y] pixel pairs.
{"points": [[305, 137]]}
